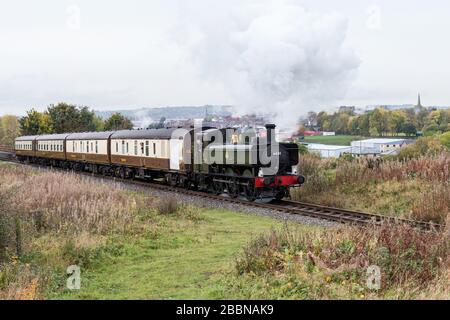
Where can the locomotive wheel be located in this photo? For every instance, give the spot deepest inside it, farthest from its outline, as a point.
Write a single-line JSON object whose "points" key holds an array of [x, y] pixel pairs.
{"points": [[250, 193], [217, 187], [249, 190], [233, 188]]}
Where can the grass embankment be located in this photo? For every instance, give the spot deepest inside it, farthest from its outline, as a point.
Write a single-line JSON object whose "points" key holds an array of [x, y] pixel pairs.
{"points": [[414, 188], [130, 245]]}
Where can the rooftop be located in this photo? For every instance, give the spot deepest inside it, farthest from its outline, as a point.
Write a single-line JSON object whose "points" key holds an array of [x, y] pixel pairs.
{"points": [[317, 146], [380, 140]]}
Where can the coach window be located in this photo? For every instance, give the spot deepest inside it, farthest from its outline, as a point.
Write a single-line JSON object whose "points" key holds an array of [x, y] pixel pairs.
{"points": [[92, 147], [96, 146], [142, 149], [135, 147], [87, 147], [123, 146], [128, 149], [147, 148], [117, 147], [154, 148]]}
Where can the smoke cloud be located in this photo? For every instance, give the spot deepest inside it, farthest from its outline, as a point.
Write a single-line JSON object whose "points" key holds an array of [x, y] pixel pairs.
{"points": [[271, 57]]}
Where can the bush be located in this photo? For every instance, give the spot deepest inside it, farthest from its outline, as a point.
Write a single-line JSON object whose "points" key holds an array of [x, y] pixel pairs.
{"points": [[424, 146], [190, 212], [167, 205], [445, 140], [433, 205]]}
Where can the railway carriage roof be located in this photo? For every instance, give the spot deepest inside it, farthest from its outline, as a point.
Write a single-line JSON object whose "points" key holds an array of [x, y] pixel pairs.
{"points": [[145, 134], [52, 137], [26, 138], [90, 135]]}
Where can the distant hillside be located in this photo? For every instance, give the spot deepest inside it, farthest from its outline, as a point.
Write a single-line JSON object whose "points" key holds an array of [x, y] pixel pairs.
{"points": [[170, 113]]}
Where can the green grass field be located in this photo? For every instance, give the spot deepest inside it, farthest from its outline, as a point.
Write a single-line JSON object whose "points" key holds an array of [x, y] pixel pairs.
{"points": [[343, 140], [183, 260]]}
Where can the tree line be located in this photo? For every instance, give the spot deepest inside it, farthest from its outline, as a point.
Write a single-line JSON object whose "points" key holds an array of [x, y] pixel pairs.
{"points": [[59, 118], [381, 122]]}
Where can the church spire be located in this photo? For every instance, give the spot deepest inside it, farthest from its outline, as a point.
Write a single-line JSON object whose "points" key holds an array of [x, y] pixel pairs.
{"points": [[419, 104]]}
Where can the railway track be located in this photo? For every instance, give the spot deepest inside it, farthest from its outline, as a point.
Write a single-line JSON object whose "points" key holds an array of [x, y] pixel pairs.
{"points": [[292, 207]]}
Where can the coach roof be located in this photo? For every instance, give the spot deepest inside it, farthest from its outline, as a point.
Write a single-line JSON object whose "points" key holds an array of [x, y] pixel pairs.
{"points": [[146, 134], [26, 138], [52, 137], [90, 135]]}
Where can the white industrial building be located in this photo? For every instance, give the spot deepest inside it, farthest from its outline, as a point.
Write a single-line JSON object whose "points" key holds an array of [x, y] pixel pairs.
{"points": [[379, 146], [328, 151]]}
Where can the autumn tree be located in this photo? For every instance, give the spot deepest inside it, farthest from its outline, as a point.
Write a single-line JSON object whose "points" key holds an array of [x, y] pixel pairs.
{"points": [[379, 121], [118, 122], [9, 129], [35, 123], [64, 118]]}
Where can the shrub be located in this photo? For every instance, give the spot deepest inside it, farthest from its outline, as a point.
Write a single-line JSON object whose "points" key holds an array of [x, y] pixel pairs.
{"points": [[167, 205], [190, 212], [433, 205], [445, 139], [422, 147]]}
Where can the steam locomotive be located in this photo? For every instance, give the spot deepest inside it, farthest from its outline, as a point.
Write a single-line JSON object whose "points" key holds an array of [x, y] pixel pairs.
{"points": [[203, 158]]}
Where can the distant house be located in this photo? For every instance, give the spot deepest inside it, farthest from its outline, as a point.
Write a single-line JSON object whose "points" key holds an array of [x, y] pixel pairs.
{"points": [[328, 151]]}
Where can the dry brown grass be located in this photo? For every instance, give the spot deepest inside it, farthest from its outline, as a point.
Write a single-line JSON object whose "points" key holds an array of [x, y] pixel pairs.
{"points": [[65, 202], [66, 216], [415, 188], [429, 168], [333, 263]]}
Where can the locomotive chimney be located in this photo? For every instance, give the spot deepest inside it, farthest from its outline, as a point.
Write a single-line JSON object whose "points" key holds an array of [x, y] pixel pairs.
{"points": [[270, 132]]}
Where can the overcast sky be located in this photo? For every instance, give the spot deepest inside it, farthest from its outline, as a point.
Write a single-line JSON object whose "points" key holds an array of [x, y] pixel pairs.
{"points": [[125, 54]]}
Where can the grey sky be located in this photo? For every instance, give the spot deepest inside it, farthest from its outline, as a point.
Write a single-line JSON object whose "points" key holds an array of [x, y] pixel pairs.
{"points": [[127, 54]]}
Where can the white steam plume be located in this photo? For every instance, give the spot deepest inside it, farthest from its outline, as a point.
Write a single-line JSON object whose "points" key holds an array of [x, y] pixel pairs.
{"points": [[271, 56]]}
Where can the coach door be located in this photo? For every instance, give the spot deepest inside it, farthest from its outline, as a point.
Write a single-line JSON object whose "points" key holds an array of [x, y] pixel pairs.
{"points": [[175, 153]]}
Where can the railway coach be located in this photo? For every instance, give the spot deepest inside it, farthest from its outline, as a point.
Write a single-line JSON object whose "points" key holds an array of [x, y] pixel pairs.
{"points": [[25, 147], [150, 153], [89, 151], [50, 149]]}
